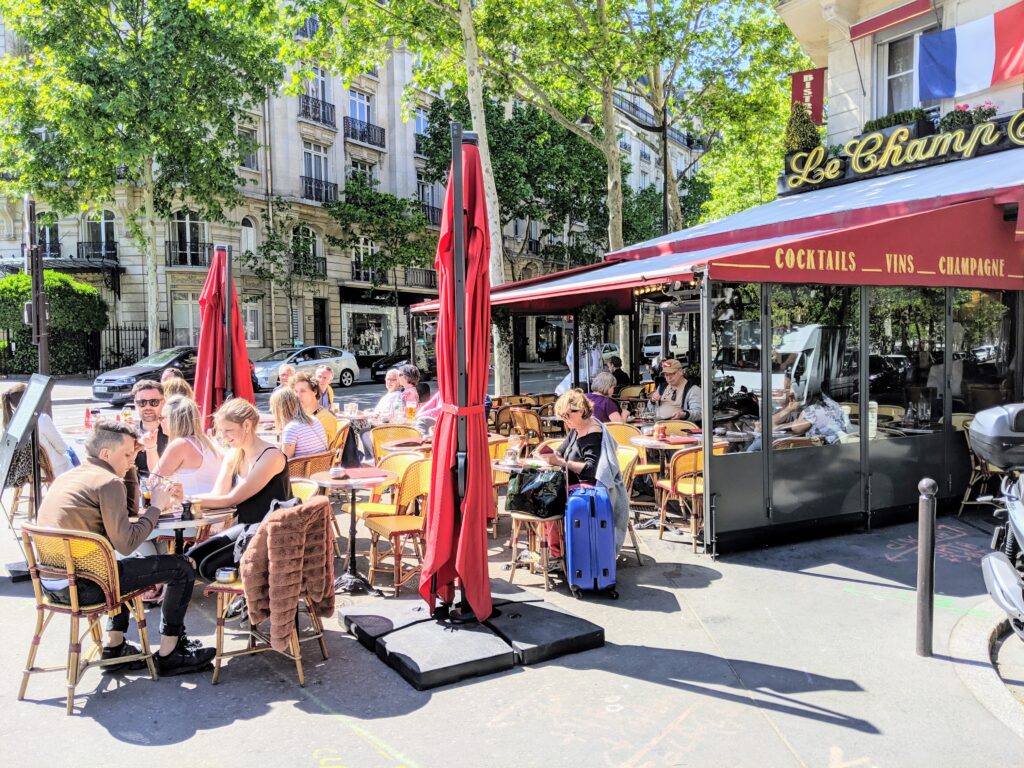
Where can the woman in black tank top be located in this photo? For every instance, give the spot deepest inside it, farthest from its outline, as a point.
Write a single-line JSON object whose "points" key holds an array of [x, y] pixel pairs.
{"points": [[253, 474]]}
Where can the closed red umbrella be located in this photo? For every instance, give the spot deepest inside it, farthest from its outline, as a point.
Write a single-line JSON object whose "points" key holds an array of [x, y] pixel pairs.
{"points": [[211, 362], [457, 517]]}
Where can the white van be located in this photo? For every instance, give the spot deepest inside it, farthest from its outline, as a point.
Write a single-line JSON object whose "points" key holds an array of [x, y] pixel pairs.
{"points": [[676, 345]]}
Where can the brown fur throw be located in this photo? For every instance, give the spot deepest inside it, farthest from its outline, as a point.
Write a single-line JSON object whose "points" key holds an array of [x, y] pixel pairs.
{"points": [[291, 556]]}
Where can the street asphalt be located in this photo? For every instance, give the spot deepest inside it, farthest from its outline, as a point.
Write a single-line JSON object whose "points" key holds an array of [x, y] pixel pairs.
{"points": [[794, 655]]}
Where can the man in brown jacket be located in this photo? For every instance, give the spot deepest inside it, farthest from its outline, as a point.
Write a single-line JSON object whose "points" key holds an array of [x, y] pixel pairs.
{"points": [[98, 497]]}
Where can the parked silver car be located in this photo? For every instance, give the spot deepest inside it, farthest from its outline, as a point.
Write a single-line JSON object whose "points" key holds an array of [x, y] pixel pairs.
{"points": [[343, 363]]}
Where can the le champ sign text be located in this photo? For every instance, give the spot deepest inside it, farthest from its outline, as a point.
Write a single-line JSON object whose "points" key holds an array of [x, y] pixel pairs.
{"points": [[874, 154]]}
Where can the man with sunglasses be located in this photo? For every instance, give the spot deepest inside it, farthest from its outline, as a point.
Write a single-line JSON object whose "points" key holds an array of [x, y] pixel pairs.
{"points": [[149, 404]]}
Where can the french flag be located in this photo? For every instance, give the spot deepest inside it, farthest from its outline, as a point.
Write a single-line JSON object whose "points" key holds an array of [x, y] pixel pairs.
{"points": [[971, 57]]}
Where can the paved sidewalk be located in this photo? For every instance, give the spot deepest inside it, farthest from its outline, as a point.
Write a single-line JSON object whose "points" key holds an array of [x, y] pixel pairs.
{"points": [[800, 655]]}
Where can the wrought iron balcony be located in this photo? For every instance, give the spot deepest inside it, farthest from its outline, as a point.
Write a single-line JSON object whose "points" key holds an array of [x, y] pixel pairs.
{"points": [[367, 133], [50, 251], [417, 277], [421, 143], [625, 145], [633, 110], [362, 274], [319, 190], [645, 155], [680, 138], [96, 249], [189, 254], [432, 212], [316, 110], [309, 266]]}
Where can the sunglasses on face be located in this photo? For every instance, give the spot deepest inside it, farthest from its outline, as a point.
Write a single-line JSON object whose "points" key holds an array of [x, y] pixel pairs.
{"points": [[151, 403]]}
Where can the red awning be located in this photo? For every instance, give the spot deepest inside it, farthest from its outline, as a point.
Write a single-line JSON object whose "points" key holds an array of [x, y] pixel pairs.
{"points": [[890, 18]]}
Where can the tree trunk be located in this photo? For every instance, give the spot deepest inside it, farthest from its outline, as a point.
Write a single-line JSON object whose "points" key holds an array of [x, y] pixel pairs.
{"points": [[148, 243], [475, 94], [614, 162]]}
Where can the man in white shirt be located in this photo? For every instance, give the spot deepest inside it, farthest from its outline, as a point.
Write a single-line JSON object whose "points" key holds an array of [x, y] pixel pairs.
{"points": [[679, 398]]}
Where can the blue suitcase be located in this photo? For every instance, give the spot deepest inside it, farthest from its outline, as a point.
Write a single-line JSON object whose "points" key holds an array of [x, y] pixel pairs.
{"points": [[590, 541]]}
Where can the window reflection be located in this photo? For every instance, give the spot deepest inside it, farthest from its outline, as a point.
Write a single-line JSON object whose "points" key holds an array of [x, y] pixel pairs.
{"points": [[982, 330], [815, 364], [736, 356], [905, 368]]}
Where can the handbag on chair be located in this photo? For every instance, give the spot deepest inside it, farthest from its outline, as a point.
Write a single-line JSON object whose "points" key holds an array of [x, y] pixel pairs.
{"points": [[538, 492]]}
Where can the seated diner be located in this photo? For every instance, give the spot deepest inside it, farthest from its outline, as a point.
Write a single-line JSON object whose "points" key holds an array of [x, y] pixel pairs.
{"points": [[301, 434], [679, 397]]}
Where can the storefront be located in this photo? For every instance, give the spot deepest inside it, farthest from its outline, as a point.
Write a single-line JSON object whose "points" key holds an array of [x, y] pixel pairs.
{"points": [[902, 285]]}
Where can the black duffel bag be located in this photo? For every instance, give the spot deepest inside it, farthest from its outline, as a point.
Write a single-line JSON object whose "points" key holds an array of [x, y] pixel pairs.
{"points": [[539, 492]]}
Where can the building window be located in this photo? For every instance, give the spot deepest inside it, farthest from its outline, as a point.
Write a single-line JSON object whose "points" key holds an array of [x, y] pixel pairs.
{"points": [[422, 120], [360, 106], [425, 190], [48, 239], [368, 171], [188, 230], [645, 180], [252, 321], [100, 228], [319, 86], [314, 161], [250, 158], [247, 241], [360, 252], [304, 245], [896, 67], [185, 318]]}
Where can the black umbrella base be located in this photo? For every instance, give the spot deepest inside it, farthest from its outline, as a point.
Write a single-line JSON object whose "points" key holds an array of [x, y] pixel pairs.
{"points": [[427, 653], [354, 584]]}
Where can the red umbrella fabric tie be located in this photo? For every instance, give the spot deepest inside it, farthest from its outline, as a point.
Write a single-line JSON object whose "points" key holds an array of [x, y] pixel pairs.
{"points": [[454, 410]]}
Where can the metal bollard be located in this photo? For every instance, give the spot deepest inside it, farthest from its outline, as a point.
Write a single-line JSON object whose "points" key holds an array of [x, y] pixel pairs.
{"points": [[925, 564]]}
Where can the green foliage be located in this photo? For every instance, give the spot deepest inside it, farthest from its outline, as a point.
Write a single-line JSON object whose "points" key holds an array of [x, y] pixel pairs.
{"points": [[272, 259], [543, 172], [641, 214], [743, 164], [694, 194], [896, 118], [116, 85], [396, 226], [594, 318], [801, 134], [76, 310]]}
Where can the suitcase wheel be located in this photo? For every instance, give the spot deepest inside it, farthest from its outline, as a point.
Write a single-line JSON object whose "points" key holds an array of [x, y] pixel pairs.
{"points": [[613, 594], [576, 592]]}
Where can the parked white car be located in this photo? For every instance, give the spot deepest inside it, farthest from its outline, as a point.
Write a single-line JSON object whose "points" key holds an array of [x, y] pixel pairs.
{"points": [[343, 363], [676, 345]]}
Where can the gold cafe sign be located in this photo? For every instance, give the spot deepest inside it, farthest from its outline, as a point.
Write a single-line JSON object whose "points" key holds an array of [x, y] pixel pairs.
{"points": [[875, 154]]}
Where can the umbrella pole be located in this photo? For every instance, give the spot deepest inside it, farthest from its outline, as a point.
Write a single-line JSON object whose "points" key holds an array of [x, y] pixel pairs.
{"points": [[464, 613], [228, 382]]}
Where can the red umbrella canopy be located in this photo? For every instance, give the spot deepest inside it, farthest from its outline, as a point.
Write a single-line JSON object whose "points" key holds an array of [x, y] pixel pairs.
{"points": [[211, 367], [458, 547]]}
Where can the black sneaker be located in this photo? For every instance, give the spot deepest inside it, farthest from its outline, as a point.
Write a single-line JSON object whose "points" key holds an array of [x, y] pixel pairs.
{"points": [[124, 649], [185, 658]]}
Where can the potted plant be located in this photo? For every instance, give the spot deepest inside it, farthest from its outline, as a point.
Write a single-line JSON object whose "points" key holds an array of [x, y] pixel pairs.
{"points": [[916, 120], [802, 134], [964, 116]]}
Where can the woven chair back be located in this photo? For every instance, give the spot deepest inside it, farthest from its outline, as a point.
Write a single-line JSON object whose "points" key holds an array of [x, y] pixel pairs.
{"points": [[59, 554], [304, 490], [677, 427], [386, 434]]}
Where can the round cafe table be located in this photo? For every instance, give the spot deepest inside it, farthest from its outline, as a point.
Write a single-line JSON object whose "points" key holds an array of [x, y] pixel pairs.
{"points": [[176, 526], [351, 581]]}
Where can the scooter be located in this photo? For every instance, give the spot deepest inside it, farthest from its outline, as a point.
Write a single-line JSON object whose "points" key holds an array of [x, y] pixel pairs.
{"points": [[1003, 568]]}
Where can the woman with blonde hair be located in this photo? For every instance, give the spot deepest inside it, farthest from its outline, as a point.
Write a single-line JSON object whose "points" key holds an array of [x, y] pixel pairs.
{"points": [[178, 386], [301, 434], [589, 456], [191, 457], [253, 474]]}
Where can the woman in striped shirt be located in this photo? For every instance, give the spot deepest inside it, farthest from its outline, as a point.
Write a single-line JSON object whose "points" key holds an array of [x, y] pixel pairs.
{"points": [[301, 434]]}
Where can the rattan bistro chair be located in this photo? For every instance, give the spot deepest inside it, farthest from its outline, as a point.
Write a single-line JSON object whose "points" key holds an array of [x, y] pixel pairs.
{"points": [[77, 556], [389, 433], [628, 458], [402, 529]]}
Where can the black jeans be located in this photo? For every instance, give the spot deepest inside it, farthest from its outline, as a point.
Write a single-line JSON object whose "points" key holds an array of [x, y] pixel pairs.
{"points": [[138, 573]]}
